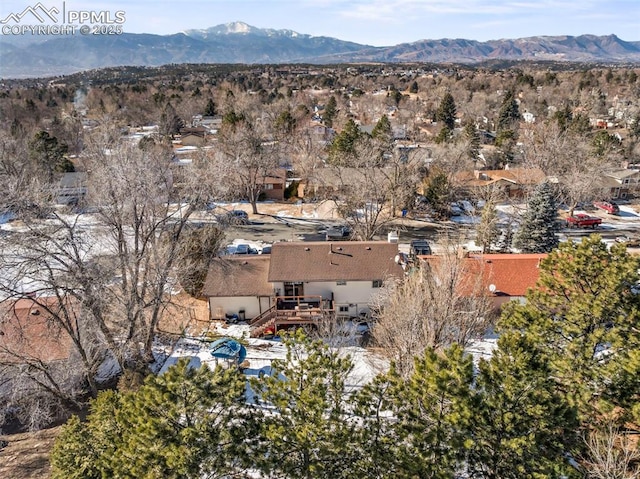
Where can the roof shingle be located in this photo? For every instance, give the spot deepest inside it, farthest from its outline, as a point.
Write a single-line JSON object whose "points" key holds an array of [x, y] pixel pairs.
{"points": [[238, 276], [329, 261]]}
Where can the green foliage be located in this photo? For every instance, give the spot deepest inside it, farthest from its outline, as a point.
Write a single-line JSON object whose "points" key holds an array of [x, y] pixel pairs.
{"points": [[170, 123], [584, 315], [344, 143], [437, 194], [230, 119], [330, 111], [382, 131], [308, 436], [285, 123], [397, 96], [49, 155], [523, 426], [210, 109], [414, 87], [446, 112], [434, 410], [603, 143], [185, 423], [509, 113], [472, 136], [538, 229], [445, 135]]}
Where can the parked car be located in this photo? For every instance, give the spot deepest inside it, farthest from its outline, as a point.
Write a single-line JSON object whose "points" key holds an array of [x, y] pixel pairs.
{"points": [[420, 247], [455, 209], [582, 220], [610, 207], [243, 248], [628, 242], [337, 233], [233, 217], [266, 249]]}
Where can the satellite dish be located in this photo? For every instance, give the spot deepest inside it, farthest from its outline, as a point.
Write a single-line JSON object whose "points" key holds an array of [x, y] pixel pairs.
{"points": [[492, 288]]}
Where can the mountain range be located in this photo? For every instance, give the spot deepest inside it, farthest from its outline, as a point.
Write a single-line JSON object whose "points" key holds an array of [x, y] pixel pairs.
{"points": [[238, 42]]}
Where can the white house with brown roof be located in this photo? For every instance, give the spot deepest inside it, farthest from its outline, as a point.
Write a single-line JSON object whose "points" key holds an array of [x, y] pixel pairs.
{"points": [[238, 285], [300, 282], [346, 273]]}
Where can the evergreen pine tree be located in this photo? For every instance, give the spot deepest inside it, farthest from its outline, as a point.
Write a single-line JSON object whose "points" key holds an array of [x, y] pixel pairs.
{"points": [[538, 229], [447, 111], [343, 147], [437, 194], [434, 409], [307, 434], [584, 315], [523, 426], [330, 111], [509, 113], [210, 109], [473, 140], [186, 423], [382, 131]]}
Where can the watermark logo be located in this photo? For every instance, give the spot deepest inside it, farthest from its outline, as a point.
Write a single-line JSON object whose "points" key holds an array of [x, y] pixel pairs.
{"points": [[40, 20]]}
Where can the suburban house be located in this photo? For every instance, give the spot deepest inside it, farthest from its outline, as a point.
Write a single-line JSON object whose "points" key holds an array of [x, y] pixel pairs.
{"points": [[238, 284], [330, 181], [300, 282], [513, 182], [274, 185], [503, 277], [620, 184], [193, 136]]}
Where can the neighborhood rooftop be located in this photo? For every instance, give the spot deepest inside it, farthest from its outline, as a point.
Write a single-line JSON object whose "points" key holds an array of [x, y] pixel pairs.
{"points": [[328, 261]]}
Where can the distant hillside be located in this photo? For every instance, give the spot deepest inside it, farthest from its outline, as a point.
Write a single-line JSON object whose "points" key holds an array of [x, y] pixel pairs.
{"points": [[241, 43]]}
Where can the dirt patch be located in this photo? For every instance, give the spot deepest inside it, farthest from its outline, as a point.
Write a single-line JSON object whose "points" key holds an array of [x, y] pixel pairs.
{"points": [[27, 454]]}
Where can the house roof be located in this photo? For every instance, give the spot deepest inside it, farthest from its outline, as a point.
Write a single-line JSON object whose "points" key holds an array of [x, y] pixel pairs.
{"points": [[275, 177], [26, 330], [510, 274], [333, 261], [622, 174], [517, 176], [242, 275]]}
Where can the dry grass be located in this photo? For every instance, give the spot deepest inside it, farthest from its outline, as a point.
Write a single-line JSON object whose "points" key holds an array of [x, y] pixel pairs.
{"points": [[27, 454]]}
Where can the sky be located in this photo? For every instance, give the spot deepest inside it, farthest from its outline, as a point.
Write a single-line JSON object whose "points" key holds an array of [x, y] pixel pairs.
{"points": [[373, 22]]}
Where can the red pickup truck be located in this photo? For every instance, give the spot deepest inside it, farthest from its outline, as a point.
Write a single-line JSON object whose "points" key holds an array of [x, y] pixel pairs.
{"points": [[581, 220], [610, 208]]}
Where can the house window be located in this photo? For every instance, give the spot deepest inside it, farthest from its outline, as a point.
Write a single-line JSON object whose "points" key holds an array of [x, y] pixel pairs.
{"points": [[376, 283], [293, 289], [341, 283], [343, 309], [268, 186]]}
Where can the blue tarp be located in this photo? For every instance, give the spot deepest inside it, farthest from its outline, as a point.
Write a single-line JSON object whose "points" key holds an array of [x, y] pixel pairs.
{"points": [[228, 348]]}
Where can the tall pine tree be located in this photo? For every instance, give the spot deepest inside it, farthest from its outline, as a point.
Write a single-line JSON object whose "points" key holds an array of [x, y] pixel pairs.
{"points": [[306, 434], [186, 423], [538, 229], [583, 314]]}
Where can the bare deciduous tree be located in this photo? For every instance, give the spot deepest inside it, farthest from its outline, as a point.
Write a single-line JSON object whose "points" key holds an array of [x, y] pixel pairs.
{"points": [[438, 303], [245, 158], [611, 454], [104, 287], [370, 187], [567, 156]]}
